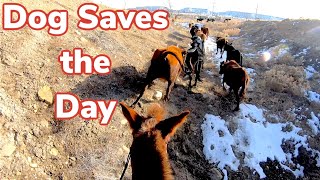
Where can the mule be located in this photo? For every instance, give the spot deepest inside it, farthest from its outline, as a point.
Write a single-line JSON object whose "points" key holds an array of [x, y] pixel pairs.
{"points": [[233, 54], [167, 64], [221, 42], [236, 77], [149, 156]]}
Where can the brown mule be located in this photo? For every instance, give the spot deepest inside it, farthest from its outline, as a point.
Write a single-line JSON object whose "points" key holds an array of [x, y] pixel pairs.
{"points": [[149, 156]]}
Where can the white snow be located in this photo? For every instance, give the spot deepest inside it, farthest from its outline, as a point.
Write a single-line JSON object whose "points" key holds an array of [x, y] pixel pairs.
{"points": [[303, 52], [283, 51], [313, 96], [251, 71], [254, 137], [250, 54], [209, 72], [211, 48], [184, 25], [309, 72], [218, 140], [283, 40], [314, 123]]}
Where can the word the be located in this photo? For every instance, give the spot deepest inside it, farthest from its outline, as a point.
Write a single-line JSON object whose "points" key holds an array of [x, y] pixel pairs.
{"points": [[79, 63], [87, 109], [56, 20], [109, 19]]}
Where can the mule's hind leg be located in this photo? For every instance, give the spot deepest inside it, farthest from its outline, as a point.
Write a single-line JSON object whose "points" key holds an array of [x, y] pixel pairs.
{"points": [[141, 94], [236, 92], [190, 80], [148, 82], [169, 88], [221, 53], [197, 69]]}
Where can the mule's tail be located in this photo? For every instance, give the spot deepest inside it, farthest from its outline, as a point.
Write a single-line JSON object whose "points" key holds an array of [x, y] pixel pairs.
{"points": [[245, 83]]}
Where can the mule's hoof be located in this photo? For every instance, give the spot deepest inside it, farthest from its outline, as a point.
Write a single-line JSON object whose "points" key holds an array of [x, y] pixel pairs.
{"points": [[200, 80], [166, 98], [189, 89], [236, 109]]}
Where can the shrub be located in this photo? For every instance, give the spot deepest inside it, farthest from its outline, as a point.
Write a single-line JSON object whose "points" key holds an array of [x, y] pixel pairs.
{"points": [[286, 79]]}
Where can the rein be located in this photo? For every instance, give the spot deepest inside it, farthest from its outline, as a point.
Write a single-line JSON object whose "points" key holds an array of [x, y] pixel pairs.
{"points": [[126, 166]]}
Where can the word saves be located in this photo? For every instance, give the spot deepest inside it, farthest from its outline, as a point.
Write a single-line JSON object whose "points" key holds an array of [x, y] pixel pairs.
{"points": [[15, 16]]}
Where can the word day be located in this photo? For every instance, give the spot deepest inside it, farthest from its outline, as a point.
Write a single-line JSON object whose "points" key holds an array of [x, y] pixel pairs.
{"points": [[68, 106]]}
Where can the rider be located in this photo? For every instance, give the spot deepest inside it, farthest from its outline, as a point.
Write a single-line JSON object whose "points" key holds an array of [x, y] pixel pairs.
{"points": [[196, 51], [193, 30]]}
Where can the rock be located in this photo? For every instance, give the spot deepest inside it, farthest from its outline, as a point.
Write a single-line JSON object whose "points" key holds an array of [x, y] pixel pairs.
{"points": [[216, 174], [124, 122], [78, 32], [8, 150], [45, 94], [8, 60], [54, 151], [33, 165], [35, 108], [157, 95], [127, 150]]}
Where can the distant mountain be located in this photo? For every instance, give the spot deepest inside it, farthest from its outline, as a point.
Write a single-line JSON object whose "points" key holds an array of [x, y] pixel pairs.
{"points": [[195, 11], [151, 8], [206, 12], [246, 15]]}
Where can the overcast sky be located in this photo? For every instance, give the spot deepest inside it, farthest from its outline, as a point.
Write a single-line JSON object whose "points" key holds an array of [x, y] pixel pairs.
{"points": [[281, 8]]}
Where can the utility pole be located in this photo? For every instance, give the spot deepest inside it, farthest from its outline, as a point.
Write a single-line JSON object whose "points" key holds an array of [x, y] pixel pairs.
{"points": [[170, 8], [256, 12], [213, 3]]}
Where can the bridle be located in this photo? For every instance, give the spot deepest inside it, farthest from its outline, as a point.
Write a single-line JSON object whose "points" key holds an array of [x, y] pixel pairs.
{"points": [[126, 166]]}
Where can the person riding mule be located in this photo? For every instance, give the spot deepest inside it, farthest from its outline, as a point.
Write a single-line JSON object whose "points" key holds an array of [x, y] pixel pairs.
{"points": [[193, 30], [194, 60]]}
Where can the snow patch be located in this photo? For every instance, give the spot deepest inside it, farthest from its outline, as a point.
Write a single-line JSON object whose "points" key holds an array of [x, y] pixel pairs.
{"points": [[309, 72], [313, 96], [251, 71], [303, 52], [254, 137], [218, 143], [183, 24], [314, 123], [283, 40]]}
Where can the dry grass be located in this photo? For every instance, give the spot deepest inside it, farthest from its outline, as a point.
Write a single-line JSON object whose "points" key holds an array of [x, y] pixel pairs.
{"points": [[286, 79], [232, 31]]}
